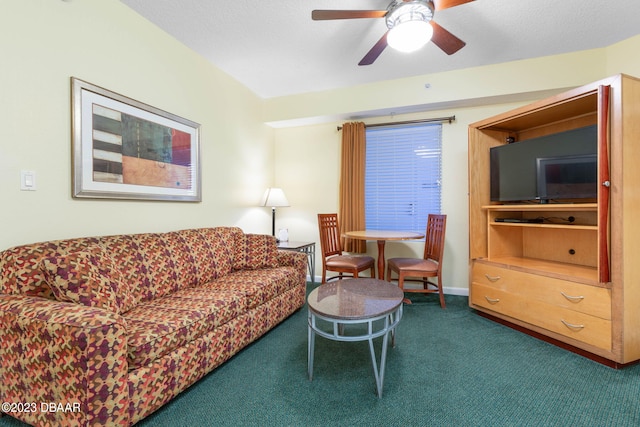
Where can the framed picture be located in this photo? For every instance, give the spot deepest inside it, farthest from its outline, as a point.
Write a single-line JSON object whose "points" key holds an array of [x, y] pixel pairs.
{"points": [[124, 149]]}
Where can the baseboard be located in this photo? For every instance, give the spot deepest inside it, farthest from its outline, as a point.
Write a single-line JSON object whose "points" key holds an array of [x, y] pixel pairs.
{"points": [[463, 292]]}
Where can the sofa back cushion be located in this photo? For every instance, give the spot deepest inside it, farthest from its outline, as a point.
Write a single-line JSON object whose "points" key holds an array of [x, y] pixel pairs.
{"points": [[20, 271], [89, 278], [254, 251], [127, 252], [155, 264], [211, 250], [152, 264]]}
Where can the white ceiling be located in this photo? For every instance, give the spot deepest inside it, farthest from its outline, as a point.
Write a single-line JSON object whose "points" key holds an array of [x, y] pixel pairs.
{"points": [[275, 49]]}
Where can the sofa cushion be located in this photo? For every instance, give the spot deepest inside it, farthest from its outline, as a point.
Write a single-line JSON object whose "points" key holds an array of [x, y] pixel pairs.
{"points": [[258, 286], [124, 249], [89, 278], [212, 251], [155, 264], [20, 271], [162, 278], [160, 326], [254, 251], [182, 260]]}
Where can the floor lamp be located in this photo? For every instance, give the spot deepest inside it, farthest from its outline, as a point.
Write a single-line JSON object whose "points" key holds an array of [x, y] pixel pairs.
{"points": [[275, 198]]}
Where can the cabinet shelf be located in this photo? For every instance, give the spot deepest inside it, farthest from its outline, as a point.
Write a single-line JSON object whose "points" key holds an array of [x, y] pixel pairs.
{"points": [[546, 207], [584, 215], [562, 226]]}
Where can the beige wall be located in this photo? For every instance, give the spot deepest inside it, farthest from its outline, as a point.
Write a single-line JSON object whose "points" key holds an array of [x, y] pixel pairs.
{"points": [[43, 44], [479, 85], [308, 168], [307, 157], [622, 57]]}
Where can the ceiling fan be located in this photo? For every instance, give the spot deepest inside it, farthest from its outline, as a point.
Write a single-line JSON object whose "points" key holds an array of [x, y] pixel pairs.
{"points": [[412, 19]]}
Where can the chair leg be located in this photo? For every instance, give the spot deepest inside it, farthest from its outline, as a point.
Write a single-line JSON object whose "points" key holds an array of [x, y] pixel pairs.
{"points": [[441, 292], [373, 273], [401, 286]]}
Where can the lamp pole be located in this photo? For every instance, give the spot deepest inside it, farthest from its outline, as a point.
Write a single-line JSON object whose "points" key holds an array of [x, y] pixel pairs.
{"points": [[273, 221]]}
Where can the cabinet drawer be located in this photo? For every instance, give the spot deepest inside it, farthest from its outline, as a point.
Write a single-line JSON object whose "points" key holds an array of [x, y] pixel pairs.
{"points": [[570, 323], [579, 297]]}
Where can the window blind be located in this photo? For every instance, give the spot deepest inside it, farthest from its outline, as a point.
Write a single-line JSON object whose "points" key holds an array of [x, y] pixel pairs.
{"points": [[403, 175]]}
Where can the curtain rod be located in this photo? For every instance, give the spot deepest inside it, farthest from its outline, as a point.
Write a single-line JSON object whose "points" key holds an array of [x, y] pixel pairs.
{"points": [[410, 122]]}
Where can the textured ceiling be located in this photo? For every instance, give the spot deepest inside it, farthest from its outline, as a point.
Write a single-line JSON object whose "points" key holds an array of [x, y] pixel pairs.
{"points": [[275, 49]]}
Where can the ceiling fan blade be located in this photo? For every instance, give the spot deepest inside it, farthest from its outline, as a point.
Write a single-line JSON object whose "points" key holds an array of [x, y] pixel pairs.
{"points": [[320, 15], [375, 51], [446, 41], [446, 4]]}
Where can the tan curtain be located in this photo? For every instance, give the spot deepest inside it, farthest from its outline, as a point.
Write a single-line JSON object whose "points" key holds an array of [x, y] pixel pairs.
{"points": [[351, 209]]}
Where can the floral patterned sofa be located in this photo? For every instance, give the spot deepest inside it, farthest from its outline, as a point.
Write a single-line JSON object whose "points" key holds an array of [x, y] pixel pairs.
{"points": [[105, 330]]}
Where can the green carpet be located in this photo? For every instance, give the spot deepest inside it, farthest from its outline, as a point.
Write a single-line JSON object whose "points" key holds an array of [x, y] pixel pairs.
{"points": [[449, 368]]}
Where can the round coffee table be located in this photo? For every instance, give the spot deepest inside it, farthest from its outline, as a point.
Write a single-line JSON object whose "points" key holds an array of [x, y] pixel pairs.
{"points": [[333, 307]]}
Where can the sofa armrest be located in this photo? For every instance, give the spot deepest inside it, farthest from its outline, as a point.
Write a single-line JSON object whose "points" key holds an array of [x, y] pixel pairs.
{"points": [[297, 260], [62, 363]]}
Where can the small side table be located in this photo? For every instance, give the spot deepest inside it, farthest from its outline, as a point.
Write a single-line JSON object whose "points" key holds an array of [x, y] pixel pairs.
{"points": [[308, 248]]}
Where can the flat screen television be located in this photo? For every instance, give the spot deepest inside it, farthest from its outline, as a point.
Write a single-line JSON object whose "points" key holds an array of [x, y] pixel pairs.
{"points": [[558, 167]]}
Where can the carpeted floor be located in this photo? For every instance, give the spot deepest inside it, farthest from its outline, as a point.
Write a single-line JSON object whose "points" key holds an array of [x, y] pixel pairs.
{"points": [[449, 368]]}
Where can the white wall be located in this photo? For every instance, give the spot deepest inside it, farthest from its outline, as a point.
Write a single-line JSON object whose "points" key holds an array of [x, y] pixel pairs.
{"points": [[43, 44]]}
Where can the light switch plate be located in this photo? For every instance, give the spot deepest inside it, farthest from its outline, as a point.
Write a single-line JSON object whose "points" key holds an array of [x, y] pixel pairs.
{"points": [[28, 180]]}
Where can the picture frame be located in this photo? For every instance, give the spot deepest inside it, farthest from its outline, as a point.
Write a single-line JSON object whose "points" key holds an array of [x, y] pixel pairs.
{"points": [[125, 149]]}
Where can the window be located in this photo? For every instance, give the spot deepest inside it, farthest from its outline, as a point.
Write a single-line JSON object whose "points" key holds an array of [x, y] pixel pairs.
{"points": [[402, 176]]}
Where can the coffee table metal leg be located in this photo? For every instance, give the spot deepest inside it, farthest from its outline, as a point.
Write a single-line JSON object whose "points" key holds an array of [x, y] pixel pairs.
{"points": [[310, 348], [379, 374], [393, 332]]}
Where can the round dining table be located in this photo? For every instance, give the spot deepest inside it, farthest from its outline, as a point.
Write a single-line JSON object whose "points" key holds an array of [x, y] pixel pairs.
{"points": [[381, 236]]}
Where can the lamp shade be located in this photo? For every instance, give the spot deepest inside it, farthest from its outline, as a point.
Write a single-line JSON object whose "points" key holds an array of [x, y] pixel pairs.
{"points": [[274, 197], [410, 36]]}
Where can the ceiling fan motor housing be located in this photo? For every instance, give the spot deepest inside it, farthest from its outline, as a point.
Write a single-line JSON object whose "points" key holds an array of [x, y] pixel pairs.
{"points": [[400, 11]]}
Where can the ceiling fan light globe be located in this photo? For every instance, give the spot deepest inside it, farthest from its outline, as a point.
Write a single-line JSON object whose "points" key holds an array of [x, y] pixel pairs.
{"points": [[409, 36]]}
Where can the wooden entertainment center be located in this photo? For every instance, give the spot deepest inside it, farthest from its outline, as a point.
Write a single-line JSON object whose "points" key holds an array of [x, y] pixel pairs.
{"points": [[574, 279]]}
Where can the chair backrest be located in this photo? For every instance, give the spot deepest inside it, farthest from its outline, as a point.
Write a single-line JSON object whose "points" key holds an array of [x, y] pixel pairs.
{"points": [[434, 240], [329, 234]]}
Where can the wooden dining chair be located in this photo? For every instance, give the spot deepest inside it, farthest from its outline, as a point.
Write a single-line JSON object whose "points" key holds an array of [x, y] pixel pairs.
{"points": [[430, 266], [332, 257]]}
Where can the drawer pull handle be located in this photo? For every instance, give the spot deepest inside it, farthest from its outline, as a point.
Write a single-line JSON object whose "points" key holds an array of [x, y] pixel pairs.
{"points": [[492, 278], [571, 325], [492, 300], [572, 298]]}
